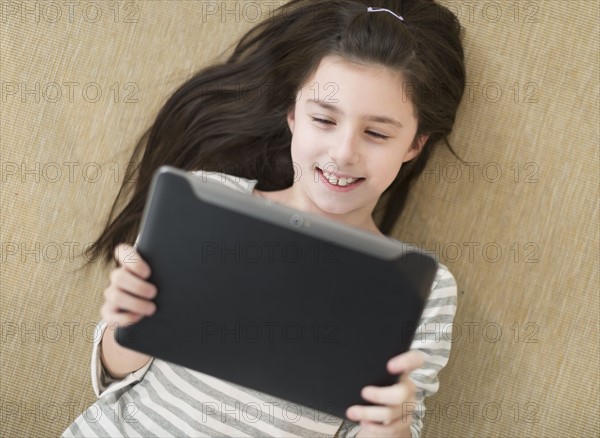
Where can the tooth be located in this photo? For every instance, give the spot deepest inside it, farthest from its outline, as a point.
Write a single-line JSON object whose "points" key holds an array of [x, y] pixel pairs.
{"points": [[342, 182], [333, 180]]}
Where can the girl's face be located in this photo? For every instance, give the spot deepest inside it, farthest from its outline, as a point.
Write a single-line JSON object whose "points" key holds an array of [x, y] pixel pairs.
{"points": [[350, 121]]}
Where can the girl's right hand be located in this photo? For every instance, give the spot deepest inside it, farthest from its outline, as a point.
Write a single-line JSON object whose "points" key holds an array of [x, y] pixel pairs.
{"points": [[128, 297]]}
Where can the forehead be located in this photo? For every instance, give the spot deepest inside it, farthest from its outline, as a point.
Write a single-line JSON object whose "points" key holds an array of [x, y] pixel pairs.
{"points": [[372, 87]]}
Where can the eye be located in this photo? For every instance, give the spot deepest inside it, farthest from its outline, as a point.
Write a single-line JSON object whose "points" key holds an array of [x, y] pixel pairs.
{"points": [[322, 121], [377, 135]]}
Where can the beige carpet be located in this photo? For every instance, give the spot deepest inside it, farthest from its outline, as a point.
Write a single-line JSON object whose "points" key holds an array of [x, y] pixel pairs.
{"points": [[518, 226]]}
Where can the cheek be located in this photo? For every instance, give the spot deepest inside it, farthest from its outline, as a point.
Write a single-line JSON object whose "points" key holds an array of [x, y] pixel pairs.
{"points": [[385, 169], [301, 159], [303, 146], [296, 149]]}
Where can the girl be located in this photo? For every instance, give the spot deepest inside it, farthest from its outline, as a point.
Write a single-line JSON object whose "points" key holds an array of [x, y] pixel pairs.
{"points": [[331, 107]]}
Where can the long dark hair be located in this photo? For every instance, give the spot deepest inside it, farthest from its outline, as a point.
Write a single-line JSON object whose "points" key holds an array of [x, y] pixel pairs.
{"points": [[231, 117]]}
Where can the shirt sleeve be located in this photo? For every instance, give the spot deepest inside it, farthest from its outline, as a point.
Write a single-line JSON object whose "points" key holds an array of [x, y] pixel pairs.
{"points": [[102, 382], [348, 429], [433, 337]]}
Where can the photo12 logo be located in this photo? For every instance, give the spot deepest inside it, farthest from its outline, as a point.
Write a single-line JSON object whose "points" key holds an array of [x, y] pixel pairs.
{"points": [[68, 171], [473, 331], [44, 252], [36, 332], [475, 411], [474, 252], [238, 11], [69, 92], [51, 412], [260, 332], [472, 172], [69, 11], [487, 11]]}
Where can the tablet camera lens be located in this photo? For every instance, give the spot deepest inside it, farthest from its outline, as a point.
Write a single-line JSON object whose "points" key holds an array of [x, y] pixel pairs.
{"points": [[296, 220]]}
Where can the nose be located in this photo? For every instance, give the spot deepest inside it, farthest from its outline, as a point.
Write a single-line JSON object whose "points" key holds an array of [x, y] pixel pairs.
{"points": [[346, 150]]}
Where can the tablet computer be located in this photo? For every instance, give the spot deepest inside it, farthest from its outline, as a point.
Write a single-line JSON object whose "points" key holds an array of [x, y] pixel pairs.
{"points": [[285, 302]]}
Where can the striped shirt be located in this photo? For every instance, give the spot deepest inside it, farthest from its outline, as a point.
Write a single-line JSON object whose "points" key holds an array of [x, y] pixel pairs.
{"points": [[164, 399]]}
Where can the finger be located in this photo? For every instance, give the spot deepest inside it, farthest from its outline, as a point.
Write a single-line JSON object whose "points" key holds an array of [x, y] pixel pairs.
{"points": [[122, 300], [131, 260], [406, 362], [116, 319], [126, 281], [372, 429], [380, 414], [393, 395]]}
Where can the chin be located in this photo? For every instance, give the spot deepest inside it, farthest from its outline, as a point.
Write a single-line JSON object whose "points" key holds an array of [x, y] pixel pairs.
{"points": [[335, 208]]}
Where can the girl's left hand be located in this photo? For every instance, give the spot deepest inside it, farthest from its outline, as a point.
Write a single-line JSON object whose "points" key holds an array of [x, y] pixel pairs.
{"points": [[394, 416]]}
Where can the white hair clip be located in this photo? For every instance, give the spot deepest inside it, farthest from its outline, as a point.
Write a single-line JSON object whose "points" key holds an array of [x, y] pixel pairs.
{"points": [[370, 9]]}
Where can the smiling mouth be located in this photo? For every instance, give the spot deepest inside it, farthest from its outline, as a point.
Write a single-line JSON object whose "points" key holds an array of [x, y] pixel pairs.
{"points": [[339, 181]]}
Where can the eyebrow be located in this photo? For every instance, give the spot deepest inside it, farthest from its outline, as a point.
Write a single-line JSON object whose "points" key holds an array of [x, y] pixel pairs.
{"points": [[335, 109]]}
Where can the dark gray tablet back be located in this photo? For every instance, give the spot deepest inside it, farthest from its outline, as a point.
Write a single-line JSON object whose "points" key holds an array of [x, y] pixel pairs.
{"points": [[281, 301]]}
